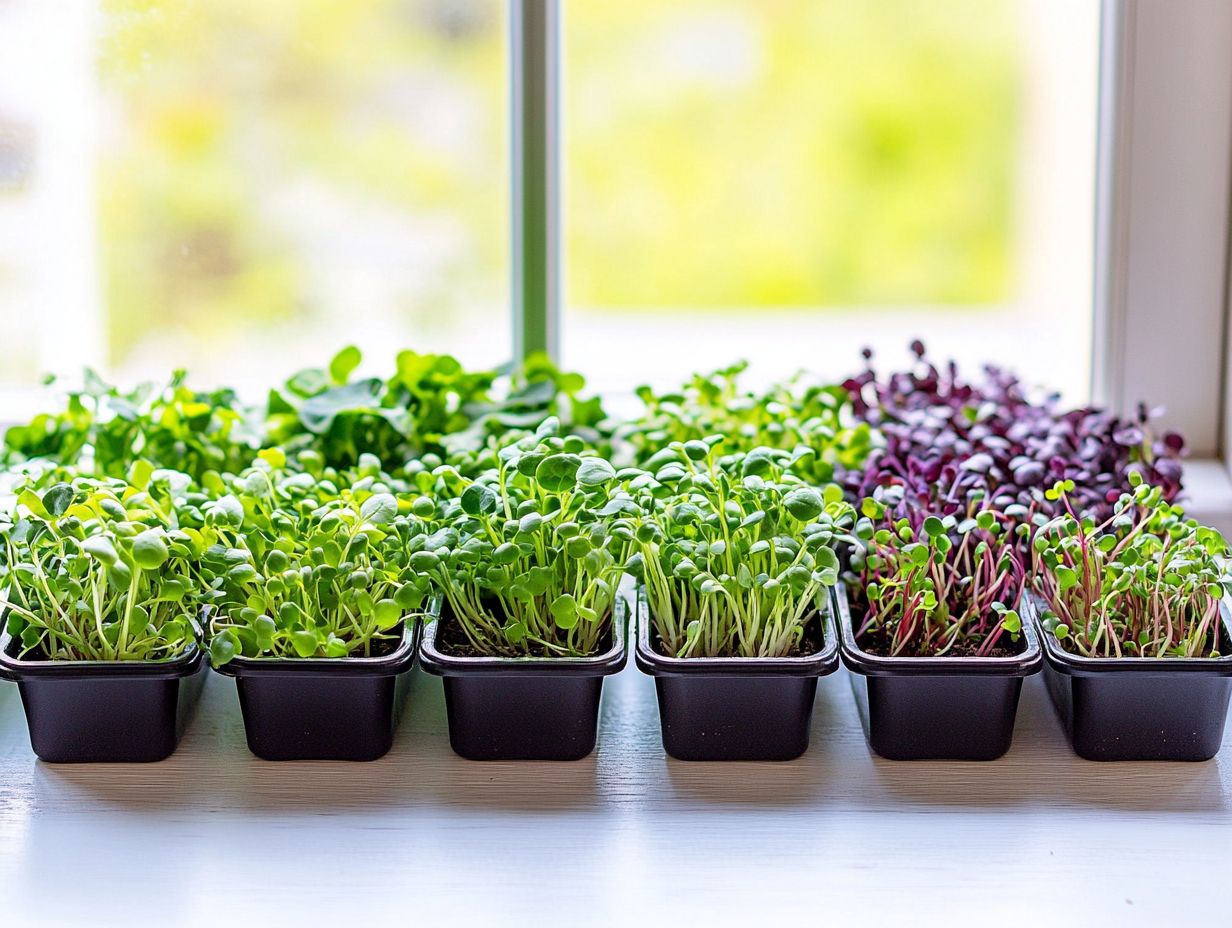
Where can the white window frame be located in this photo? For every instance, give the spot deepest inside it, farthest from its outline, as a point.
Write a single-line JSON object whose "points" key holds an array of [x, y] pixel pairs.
{"points": [[1162, 239]]}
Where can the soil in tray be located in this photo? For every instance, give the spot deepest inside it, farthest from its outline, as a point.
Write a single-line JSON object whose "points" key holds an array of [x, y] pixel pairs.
{"points": [[381, 647], [812, 642], [39, 655], [452, 641], [879, 647]]}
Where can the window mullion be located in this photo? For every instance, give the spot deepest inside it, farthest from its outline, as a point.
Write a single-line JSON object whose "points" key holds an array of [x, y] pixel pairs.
{"points": [[535, 161]]}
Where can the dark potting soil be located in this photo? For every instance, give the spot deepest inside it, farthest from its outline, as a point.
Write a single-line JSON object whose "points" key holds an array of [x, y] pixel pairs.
{"points": [[452, 641], [811, 643], [879, 647]]}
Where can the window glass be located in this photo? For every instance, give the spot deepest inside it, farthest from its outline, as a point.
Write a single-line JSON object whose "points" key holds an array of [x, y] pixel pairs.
{"points": [[789, 180], [242, 188]]}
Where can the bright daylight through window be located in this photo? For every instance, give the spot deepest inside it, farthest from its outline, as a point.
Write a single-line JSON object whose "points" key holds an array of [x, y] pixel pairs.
{"points": [[788, 181], [784, 181], [239, 188]]}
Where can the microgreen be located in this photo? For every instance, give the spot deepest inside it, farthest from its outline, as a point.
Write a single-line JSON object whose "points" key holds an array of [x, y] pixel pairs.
{"points": [[523, 552], [431, 404], [930, 585], [1143, 582], [947, 438], [813, 421], [735, 552], [326, 410], [104, 431], [305, 564], [97, 569]]}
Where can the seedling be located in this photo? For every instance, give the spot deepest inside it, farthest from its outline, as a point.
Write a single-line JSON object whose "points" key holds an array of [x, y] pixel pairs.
{"points": [[813, 421], [304, 564], [96, 570], [735, 552], [931, 585], [524, 553], [1144, 582]]}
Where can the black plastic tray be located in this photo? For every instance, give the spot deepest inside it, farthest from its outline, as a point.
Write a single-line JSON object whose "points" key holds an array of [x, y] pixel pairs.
{"points": [[735, 708], [524, 708], [104, 711], [1139, 708], [936, 708], [342, 708]]}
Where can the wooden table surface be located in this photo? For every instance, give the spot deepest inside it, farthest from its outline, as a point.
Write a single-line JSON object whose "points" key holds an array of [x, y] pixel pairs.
{"points": [[215, 837]]}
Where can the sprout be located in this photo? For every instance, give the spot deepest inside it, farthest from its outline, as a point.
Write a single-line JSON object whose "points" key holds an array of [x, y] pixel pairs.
{"points": [[1144, 582], [735, 553], [533, 563], [98, 569], [297, 565], [926, 585]]}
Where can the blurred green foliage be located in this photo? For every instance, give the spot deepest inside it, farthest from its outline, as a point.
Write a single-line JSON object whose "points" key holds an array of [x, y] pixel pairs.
{"points": [[719, 152], [229, 119], [791, 152]]}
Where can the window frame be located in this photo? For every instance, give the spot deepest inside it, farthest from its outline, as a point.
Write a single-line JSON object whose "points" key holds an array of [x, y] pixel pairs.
{"points": [[1160, 294]]}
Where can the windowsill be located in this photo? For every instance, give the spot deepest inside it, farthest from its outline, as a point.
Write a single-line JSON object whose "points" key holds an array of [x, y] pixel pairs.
{"points": [[1208, 493], [633, 837]]}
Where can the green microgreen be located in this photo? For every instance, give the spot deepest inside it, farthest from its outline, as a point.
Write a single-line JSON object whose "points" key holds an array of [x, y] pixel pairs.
{"points": [[735, 552], [96, 569], [523, 553], [308, 563], [814, 422], [1144, 582]]}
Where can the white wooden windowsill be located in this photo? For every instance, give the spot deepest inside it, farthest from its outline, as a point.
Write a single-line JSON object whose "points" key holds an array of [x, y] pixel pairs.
{"points": [[213, 836]]}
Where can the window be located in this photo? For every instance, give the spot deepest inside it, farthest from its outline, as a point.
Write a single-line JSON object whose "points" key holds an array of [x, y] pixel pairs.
{"points": [[261, 183], [240, 188], [790, 181]]}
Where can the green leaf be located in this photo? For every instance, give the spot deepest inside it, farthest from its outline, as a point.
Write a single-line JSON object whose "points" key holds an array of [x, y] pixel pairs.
{"points": [[379, 509], [696, 450], [387, 614], [319, 412], [150, 550], [33, 502], [933, 527], [344, 362], [140, 473], [59, 498], [564, 611], [804, 503], [223, 647], [227, 510], [558, 472], [101, 549], [478, 499], [594, 472], [304, 642], [424, 561]]}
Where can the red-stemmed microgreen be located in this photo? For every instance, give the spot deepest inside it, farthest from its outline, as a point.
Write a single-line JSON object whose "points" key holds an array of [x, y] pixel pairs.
{"points": [[1144, 582], [929, 585]]}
